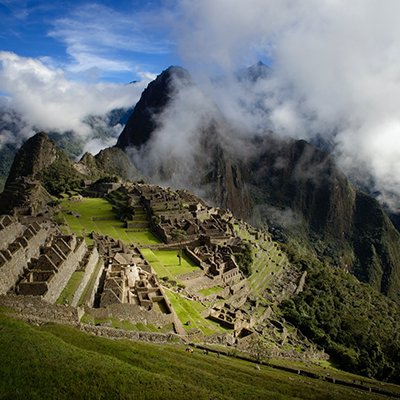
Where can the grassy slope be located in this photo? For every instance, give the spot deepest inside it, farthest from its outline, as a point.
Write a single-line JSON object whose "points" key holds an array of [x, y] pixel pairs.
{"points": [[60, 362]]}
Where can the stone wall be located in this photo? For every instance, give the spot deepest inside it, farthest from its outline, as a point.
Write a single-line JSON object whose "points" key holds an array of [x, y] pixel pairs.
{"points": [[91, 263], [58, 282], [18, 260], [35, 309], [195, 258], [10, 229], [112, 333], [133, 313]]}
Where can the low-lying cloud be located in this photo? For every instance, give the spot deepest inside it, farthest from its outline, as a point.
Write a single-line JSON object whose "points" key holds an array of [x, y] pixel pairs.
{"points": [[45, 99]]}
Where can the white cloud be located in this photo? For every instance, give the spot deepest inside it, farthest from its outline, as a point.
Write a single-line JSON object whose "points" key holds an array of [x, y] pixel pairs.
{"points": [[336, 69], [47, 100], [99, 37]]}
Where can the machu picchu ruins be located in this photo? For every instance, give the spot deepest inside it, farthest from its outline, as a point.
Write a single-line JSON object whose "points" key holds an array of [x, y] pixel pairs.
{"points": [[163, 247]]}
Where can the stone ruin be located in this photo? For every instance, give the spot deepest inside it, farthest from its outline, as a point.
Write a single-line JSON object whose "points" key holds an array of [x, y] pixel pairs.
{"points": [[218, 262], [130, 279], [37, 260], [170, 212], [47, 275], [20, 247]]}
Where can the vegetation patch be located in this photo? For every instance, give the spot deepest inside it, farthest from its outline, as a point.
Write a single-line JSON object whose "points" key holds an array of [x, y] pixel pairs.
{"points": [[166, 263], [190, 314], [211, 290], [356, 325]]}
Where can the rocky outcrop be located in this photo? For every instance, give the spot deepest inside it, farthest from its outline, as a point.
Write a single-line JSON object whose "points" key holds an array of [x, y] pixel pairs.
{"points": [[35, 155]]}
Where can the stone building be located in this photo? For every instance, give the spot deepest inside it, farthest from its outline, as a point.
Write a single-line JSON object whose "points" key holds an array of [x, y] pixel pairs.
{"points": [[15, 256], [48, 275], [130, 279]]}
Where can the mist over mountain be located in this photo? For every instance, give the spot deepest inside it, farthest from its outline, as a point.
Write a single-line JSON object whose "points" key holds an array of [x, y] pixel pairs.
{"points": [[179, 135]]}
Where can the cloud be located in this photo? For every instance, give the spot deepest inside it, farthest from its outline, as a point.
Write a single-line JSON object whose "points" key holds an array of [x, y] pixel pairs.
{"points": [[174, 155], [335, 73], [47, 100], [99, 38]]}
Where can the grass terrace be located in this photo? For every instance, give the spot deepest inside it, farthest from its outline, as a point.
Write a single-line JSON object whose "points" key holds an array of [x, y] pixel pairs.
{"points": [[96, 214], [267, 261], [68, 292]]}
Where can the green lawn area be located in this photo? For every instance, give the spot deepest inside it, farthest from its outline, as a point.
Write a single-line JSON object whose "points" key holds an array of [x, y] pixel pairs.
{"points": [[60, 362], [166, 263], [96, 214]]}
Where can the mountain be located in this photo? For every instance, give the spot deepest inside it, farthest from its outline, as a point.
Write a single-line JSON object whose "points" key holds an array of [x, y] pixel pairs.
{"points": [[110, 161], [289, 185], [153, 101], [40, 166], [284, 282], [104, 130]]}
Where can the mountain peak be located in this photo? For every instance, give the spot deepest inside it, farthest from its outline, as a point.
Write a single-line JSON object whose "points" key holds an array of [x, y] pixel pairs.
{"points": [[36, 154], [153, 101], [255, 72]]}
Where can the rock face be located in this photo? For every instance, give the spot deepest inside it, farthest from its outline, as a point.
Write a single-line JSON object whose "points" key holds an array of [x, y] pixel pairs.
{"points": [[286, 180]]}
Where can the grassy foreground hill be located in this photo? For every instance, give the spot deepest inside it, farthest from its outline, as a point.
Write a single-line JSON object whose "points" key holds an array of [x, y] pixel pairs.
{"points": [[55, 361]]}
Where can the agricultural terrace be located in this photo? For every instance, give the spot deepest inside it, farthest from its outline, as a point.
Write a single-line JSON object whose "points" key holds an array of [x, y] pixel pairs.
{"points": [[190, 312], [268, 260], [96, 214]]}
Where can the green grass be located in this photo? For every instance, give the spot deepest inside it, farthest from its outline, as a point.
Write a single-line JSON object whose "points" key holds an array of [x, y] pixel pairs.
{"points": [[96, 214], [166, 263], [59, 362], [68, 292], [267, 261], [190, 310]]}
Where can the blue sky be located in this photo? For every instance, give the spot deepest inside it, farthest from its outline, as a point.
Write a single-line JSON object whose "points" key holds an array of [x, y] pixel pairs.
{"points": [[114, 41]]}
